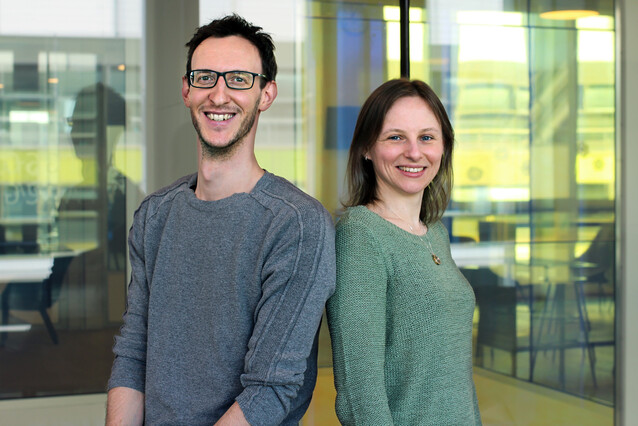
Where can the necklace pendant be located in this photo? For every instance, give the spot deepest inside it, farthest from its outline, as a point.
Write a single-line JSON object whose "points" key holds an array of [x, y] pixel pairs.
{"points": [[436, 259]]}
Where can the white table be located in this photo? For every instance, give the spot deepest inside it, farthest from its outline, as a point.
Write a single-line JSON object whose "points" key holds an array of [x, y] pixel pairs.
{"points": [[474, 254], [23, 268]]}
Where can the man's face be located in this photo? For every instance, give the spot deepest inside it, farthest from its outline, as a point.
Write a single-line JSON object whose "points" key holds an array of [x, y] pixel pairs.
{"points": [[224, 118]]}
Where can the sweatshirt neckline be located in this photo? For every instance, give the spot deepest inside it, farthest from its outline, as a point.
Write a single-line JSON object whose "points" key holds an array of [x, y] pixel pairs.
{"points": [[260, 185]]}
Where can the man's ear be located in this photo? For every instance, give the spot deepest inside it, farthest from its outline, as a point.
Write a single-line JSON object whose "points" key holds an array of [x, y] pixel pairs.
{"points": [[185, 91], [268, 95]]}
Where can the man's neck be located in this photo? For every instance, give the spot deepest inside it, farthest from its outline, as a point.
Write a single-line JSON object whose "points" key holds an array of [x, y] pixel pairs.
{"points": [[217, 179]]}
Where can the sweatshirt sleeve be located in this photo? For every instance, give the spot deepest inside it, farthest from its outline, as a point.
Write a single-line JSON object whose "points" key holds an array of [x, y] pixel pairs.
{"points": [[357, 321], [129, 366], [298, 276]]}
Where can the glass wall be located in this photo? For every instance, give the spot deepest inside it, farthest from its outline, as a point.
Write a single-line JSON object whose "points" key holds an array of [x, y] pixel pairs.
{"points": [[532, 100], [532, 219], [71, 159]]}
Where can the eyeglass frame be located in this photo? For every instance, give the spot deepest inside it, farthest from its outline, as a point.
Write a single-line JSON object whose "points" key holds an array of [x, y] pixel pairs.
{"points": [[190, 76]]}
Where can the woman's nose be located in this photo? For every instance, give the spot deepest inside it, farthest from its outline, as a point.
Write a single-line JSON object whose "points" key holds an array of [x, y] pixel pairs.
{"points": [[412, 149]]}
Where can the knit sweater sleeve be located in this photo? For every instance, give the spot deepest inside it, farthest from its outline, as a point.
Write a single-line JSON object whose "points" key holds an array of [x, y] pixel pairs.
{"points": [[129, 366], [475, 404], [357, 321], [298, 278]]}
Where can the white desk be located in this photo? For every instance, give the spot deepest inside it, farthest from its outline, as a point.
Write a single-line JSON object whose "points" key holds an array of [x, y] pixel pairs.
{"points": [[24, 268], [474, 254]]}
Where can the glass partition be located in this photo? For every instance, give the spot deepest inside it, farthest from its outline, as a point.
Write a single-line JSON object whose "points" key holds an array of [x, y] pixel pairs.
{"points": [[71, 158], [531, 221], [532, 101], [532, 215]]}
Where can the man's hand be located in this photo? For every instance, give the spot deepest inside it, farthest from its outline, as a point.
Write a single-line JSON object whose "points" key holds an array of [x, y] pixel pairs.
{"points": [[233, 417], [125, 406]]}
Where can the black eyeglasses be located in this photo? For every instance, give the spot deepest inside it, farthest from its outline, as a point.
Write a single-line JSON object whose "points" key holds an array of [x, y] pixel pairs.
{"points": [[237, 80]]}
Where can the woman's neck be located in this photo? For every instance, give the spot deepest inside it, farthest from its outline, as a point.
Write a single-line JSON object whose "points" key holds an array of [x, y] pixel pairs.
{"points": [[402, 212]]}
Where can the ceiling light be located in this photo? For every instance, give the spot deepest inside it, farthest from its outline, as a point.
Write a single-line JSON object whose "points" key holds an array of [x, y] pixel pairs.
{"points": [[569, 10]]}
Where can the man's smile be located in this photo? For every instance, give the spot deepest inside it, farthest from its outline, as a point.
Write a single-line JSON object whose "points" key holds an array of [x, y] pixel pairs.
{"points": [[220, 117]]}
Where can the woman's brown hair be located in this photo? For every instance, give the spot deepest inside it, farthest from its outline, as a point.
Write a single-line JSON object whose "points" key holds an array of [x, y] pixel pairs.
{"points": [[361, 179]]}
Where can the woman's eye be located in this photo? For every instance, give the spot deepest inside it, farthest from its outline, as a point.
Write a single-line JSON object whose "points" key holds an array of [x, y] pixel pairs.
{"points": [[394, 138]]}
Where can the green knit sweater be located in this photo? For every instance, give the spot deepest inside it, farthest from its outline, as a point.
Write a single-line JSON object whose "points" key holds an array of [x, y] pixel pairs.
{"points": [[401, 327]]}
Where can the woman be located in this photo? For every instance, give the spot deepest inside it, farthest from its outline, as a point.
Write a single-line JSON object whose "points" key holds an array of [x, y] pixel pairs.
{"points": [[401, 317]]}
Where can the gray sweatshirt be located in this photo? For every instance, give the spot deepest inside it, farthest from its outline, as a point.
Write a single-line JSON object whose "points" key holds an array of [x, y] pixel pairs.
{"points": [[224, 303]]}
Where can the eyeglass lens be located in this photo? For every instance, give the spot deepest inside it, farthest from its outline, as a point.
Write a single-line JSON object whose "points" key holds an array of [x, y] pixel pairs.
{"points": [[234, 79]]}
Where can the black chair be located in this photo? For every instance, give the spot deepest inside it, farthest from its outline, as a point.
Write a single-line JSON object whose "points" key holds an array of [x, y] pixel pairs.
{"points": [[497, 305], [35, 296], [565, 323], [595, 267]]}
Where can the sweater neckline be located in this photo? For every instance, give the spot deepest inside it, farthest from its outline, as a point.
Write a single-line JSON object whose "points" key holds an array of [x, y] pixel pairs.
{"points": [[396, 229], [431, 240], [262, 183]]}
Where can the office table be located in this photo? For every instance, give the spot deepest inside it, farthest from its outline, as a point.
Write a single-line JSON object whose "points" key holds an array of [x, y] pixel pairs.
{"points": [[25, 268]]}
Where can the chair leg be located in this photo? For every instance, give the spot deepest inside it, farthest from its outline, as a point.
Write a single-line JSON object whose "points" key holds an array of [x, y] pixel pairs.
{"points": [[544, 324], [49, 325], [5, 319], [585, 326]]}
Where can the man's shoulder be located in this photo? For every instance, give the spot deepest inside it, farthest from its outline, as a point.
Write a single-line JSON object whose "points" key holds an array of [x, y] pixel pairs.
{"points": [[279, 193], [182, 182], [167, 193]]}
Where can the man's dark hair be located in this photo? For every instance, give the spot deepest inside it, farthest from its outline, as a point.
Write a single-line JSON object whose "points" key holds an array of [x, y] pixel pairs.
{"points": [[235, 25]]}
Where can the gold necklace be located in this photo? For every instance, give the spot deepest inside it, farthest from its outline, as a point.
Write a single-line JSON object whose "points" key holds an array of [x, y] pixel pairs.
{"points": [[436, 259]]}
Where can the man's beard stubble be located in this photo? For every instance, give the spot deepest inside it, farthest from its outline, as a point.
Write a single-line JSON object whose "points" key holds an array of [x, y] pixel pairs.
{"points": [[224, 152]]}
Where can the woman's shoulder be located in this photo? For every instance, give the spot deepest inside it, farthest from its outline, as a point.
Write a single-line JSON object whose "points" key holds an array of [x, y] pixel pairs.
{"points": [[357, 217], [352, 213], [438, 231]]}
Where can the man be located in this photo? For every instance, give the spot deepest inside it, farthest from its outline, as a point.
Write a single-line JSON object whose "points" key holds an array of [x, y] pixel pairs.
{"points": [[231, 266]]}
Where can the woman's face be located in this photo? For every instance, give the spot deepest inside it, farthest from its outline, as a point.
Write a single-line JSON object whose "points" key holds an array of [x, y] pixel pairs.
{"points": [[407, 154]]}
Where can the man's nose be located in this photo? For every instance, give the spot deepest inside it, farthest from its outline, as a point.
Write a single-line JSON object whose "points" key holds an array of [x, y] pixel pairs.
{"points": [[219, 94]]}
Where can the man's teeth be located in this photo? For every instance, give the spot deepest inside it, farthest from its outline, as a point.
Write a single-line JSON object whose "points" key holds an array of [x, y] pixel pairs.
{"points": [[411, 169], [219, 117]]}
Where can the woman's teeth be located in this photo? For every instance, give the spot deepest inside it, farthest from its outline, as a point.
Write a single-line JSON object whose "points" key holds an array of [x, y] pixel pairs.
{"points": [[411, 169]]}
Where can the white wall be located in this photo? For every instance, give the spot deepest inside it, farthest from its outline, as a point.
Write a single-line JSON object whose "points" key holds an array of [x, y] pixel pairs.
{"points": [[627, 92], [84, 410], [94, 18], [171, 141]]}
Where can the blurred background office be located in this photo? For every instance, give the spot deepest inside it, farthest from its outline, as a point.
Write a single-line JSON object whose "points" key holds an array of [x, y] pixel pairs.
{"points": [[542, 219]]}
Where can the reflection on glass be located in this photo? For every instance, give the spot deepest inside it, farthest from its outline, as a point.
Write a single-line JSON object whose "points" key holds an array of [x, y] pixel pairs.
{"points": [[532, 217], [70, 169], [535, 171], [532, 104]]}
